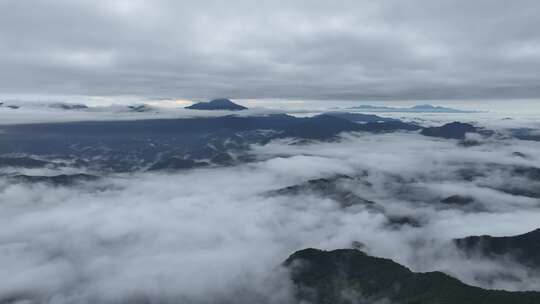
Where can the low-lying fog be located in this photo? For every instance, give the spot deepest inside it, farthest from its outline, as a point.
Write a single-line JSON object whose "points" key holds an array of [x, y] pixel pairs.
{"points": [[215, 235]]}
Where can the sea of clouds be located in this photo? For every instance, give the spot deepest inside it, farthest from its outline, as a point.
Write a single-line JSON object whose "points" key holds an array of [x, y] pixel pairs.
{"points": [[213, 235]]}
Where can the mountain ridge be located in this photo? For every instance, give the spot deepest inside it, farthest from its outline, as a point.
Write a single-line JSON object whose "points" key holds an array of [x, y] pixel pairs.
{"points": [[352, 276]]}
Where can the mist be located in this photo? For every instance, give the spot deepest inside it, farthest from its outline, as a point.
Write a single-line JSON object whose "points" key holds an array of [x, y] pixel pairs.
{"points": [[171, 236]]}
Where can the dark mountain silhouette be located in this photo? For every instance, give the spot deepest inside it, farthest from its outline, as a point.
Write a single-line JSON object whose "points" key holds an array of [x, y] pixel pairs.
{"points": [[524, 248], [217, 104], [8, 106], [167, 143], [338, 189], [56, 180], [321, 127], [388, 126], [140, 108], [331, 188], [122, 146], [529, 172], [68, 106], [455, 130], [351, 276], [327, 126], [525, 134], [459, 200], [519, 180], [463, 202], [520, 155], [174, 163], [24, 162]]}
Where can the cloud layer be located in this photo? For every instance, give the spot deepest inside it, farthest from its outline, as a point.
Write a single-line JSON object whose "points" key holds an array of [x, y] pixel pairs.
{"points": [[279, 49], [167, 237]]}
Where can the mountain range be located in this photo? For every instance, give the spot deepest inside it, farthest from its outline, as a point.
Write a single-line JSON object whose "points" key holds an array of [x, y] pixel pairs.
{"points": [[424, 108]]}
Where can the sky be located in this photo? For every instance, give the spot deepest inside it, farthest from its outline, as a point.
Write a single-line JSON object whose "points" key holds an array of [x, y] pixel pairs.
{"points": [[324, 50]]}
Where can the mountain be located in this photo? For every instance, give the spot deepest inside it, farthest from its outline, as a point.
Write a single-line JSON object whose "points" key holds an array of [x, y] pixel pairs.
{"points": [[459, 200], [525, 134], [140, 108], [519, 180], [524, 248], [321, 127], [175, 163], [56, 180], [326, 126], [425, 108], [167, 144], [338, 188], [217, 104], [358, 117], [388, 126], [23, 162], [332, 188], [351, 276], [13, 107], [68, 106], [122, 146], [455, 130]]}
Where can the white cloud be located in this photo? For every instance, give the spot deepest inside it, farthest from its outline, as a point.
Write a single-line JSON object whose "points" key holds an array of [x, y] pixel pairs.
{"points": [[209, 234]]}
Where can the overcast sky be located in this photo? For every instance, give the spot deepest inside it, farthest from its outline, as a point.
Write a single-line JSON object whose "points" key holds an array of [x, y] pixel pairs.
{"points": [[271, 49]]}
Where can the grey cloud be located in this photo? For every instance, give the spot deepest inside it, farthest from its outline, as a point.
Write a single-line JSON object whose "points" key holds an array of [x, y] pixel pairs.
{"points": [[273, 49]]}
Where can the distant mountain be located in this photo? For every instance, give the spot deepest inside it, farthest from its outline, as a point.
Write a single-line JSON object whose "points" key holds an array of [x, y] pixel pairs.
{"points": [[13, 107], [166, 144], [175, 163], [68, 106], [459, 200], [320, 127], [330, 188], [389, 126], [23, 162], [434, 109], [358, 117], [350, 276], [424, 108], [120, 146], [455, 130], [44, 105], [338, 189], [520, 180], [524, 248], [526, 134], [217, 104], [465, 203], [140, 108], [326, 126], [56, 180]]}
